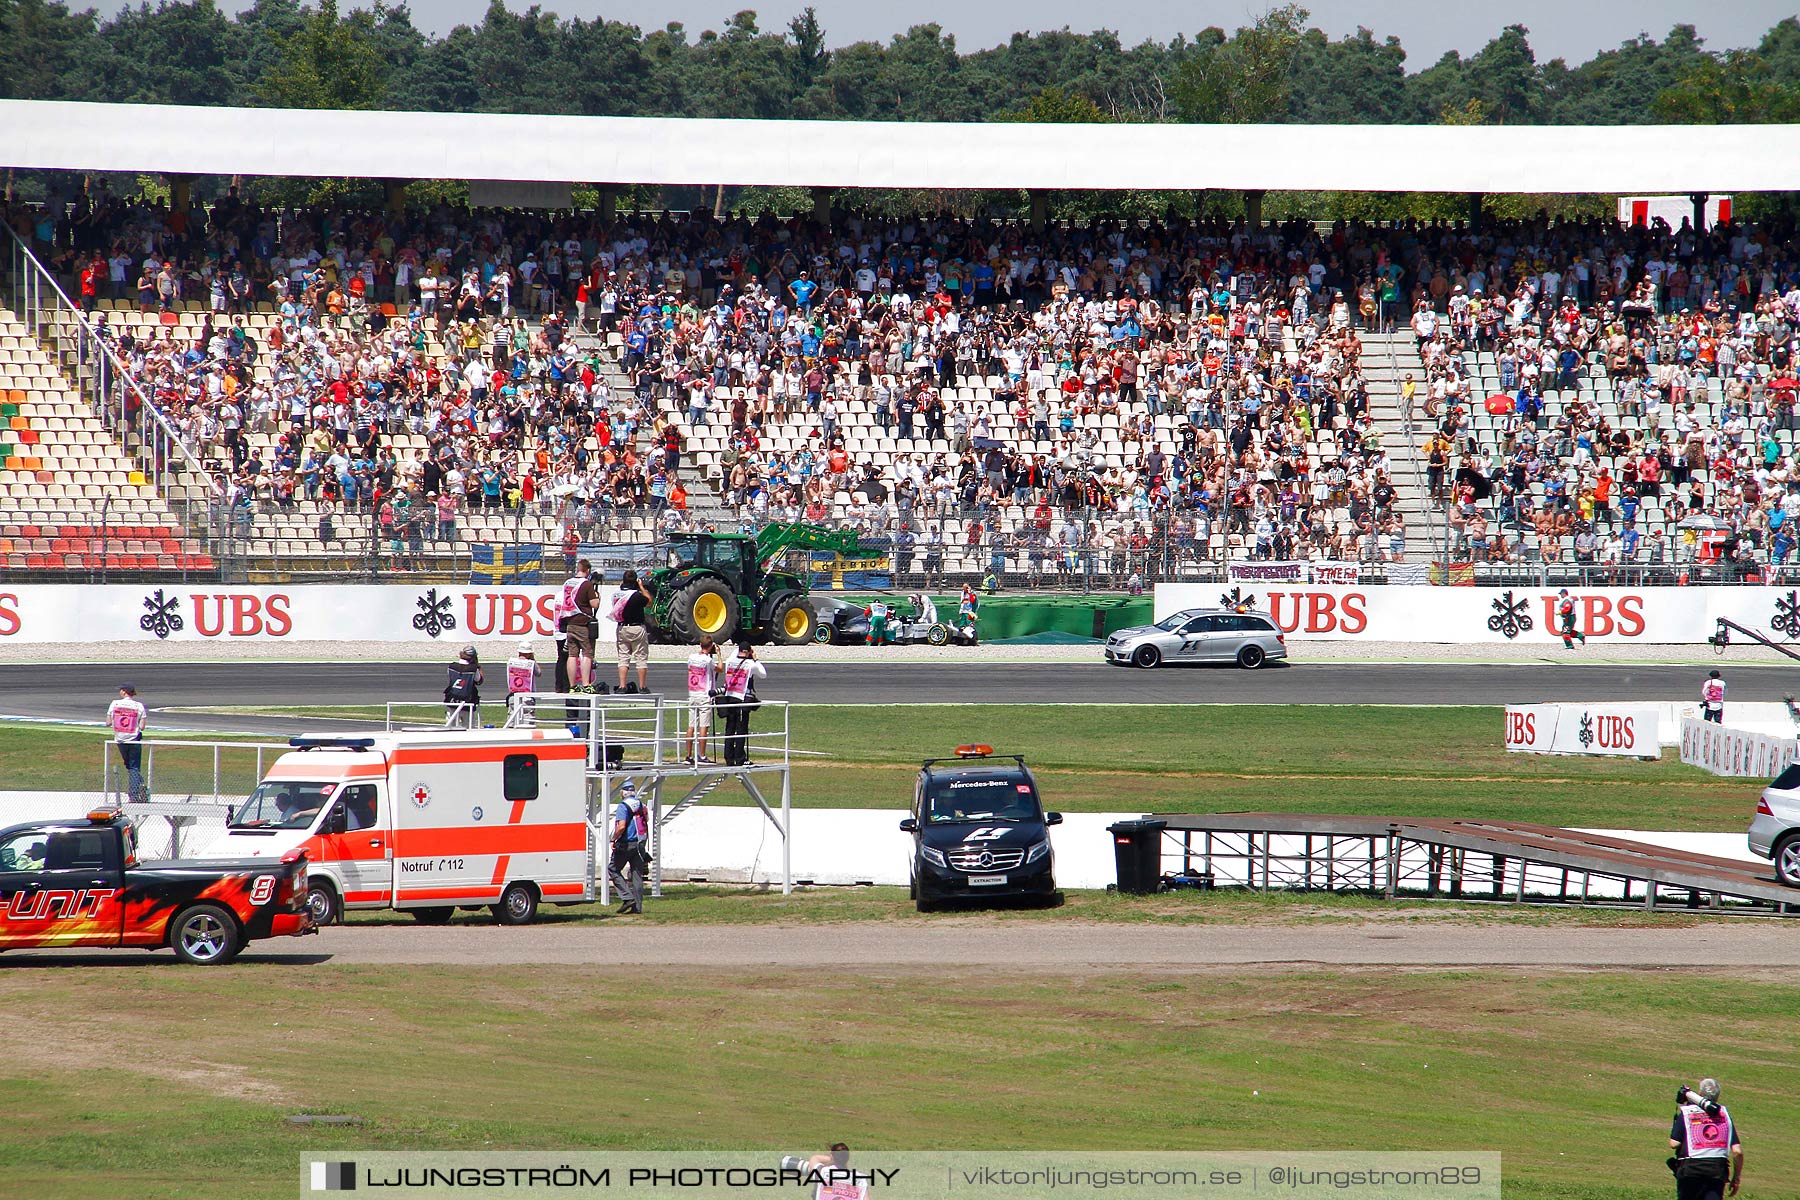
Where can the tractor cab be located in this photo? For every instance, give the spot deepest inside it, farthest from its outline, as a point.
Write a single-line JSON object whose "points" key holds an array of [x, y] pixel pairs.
{"points": [[726, 585]]}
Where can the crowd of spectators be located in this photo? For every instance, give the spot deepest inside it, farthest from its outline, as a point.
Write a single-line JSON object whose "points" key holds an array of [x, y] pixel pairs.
{"points": [[1615, 397], [1159, 384], [1133, 394]]}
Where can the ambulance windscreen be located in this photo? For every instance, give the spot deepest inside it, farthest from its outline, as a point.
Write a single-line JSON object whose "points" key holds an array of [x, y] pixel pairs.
{"points": [[283, 804]]}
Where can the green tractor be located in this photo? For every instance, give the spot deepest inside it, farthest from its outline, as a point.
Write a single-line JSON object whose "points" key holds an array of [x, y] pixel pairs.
{"points": [[729, 585]]}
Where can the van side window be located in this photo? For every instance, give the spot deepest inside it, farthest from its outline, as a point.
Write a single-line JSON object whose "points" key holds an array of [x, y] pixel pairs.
{"points": [[519, 777], [359, 806]]}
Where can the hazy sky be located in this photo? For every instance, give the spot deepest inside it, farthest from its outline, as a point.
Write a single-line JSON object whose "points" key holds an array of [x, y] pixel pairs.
{"points": [[1570, 29]]}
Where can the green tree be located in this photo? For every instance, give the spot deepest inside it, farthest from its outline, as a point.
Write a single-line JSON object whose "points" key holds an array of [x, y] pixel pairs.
{"points": [[1053, 106], [331, 62], [1353, 81], [1243, 79]]}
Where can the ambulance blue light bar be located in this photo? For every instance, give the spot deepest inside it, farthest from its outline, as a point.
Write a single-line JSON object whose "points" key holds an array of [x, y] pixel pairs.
{"points": [[331, 743]]}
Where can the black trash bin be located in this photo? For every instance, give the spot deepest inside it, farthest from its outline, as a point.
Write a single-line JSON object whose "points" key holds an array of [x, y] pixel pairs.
{"points": [[1137, 850]]}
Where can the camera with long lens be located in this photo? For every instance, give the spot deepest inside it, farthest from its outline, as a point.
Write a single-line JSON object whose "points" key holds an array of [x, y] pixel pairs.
{"points": [[793, 1162]]}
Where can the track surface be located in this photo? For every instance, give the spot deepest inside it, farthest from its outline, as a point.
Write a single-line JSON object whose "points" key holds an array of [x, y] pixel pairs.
{"points": [[82, 691], [965, 944]]}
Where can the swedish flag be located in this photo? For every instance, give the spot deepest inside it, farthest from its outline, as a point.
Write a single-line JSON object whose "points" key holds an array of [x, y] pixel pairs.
{"points": [[491, 565]]}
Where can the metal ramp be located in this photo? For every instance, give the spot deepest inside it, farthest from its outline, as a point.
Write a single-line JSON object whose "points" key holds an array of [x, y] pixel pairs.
{"points": [[1494, 861]]}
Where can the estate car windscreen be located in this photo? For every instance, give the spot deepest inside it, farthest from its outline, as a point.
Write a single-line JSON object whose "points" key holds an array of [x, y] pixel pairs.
{"points": [[1007, 797]]}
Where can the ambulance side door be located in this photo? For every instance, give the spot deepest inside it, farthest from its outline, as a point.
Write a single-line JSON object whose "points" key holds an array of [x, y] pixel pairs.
{"points": [[355, 838]]}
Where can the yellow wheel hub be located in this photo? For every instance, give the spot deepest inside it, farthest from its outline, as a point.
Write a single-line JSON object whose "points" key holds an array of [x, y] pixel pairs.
{"points": [[795, 622], [709, 613]]}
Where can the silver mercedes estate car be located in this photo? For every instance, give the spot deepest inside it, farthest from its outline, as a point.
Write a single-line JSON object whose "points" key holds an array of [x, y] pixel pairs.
{"points": [[1199, 635]]}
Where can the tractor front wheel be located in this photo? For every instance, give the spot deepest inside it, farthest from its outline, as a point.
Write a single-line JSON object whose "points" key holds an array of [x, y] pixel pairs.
{"points": [[791, 623], [704, 607]]}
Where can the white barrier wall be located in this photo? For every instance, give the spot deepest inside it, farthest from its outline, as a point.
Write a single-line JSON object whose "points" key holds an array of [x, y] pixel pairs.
{"points": [[1616, 730], [860, 845], [324, 612], [1725, 750], [1319, 612]]}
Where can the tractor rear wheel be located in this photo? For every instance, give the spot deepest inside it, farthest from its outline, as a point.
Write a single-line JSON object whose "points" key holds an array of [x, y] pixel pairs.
{"points": [[705, 606], [791, 623]]}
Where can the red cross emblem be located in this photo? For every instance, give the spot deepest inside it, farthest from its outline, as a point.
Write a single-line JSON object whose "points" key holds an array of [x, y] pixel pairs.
{"points": [[421, 795]]}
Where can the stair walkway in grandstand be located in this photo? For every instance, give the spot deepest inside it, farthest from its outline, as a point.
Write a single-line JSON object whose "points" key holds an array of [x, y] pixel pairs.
{"points": [[1387, 359], [70, 497]]}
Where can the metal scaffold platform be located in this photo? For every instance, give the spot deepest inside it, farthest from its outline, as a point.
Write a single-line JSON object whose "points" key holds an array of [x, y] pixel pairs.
{"points": [[638, 742], [1494, 861]]}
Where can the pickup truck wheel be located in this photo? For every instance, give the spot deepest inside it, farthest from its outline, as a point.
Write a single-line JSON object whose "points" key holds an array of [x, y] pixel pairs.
{"points": [[204, 935], [518, 905], [322, 900], [433, 916]]}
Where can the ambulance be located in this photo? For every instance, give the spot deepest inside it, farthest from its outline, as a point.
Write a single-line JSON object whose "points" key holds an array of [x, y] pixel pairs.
{"points": [[426, 822]]}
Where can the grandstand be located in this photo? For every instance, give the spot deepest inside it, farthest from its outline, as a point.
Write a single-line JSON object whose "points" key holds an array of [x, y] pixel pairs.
{"points": [[73, 500], [1280, 432]]}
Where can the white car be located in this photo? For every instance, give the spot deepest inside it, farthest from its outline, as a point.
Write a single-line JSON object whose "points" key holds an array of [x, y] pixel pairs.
{"points": [[1198, 635], [1775, 832]]}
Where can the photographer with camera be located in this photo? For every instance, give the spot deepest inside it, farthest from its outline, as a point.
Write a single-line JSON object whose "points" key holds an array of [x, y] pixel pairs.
{"points": [[740, 700], [630, 859], [831, 1169], [462, 690], [1709, 1155]]}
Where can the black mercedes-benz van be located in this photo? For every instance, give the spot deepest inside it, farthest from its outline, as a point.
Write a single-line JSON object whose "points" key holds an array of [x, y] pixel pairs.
{"points": [[978, 830]]}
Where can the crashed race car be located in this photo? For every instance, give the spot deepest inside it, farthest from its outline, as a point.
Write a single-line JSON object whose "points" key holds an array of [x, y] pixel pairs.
{"points": [[914, 621]]}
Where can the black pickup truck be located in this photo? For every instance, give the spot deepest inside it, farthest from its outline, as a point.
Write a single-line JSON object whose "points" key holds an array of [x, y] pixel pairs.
{"points": [[78, 882]]}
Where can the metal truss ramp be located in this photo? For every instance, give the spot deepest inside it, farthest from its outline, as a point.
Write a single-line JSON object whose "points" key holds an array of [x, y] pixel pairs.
{"points": [[1504, 861]]}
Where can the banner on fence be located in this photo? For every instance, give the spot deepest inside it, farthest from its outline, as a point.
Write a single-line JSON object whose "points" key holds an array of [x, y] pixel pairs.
{"points": [[1727, 751], [1615, 730], [373, 612], [1525, 615], [491, 563], [1282, 571]]}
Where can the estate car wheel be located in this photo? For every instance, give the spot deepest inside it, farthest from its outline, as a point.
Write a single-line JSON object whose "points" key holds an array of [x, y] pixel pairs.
{"points": [[1146, 656], [322, 900], [1787, 860], [204, 935], [1251, 657], [518, 905]]}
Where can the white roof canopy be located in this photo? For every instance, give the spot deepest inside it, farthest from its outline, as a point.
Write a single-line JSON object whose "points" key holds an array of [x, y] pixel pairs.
{"points": [[862, 154]]}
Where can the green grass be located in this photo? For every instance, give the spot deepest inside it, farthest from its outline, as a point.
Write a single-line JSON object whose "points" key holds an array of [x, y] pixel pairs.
{"points": [[712, 904], [62, 758], [164, 1081], [1381, 761]]}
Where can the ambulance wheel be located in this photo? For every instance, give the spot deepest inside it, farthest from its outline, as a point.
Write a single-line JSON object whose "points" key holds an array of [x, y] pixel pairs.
{"points": [[1787, 860], [322, 900], [518, 905], [937, 635], [204, 935], [434, 916]]}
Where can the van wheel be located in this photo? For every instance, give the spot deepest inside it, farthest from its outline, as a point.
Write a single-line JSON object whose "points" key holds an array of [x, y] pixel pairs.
{"points": [[518, 905], [1787, 860], [322, 901], [204, 935], [1146, 656], [1251, 657], [433, 916], [922, 902]]}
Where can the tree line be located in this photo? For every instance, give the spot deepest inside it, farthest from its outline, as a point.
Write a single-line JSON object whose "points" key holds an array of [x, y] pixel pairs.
{"points": [[282, 53]]}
